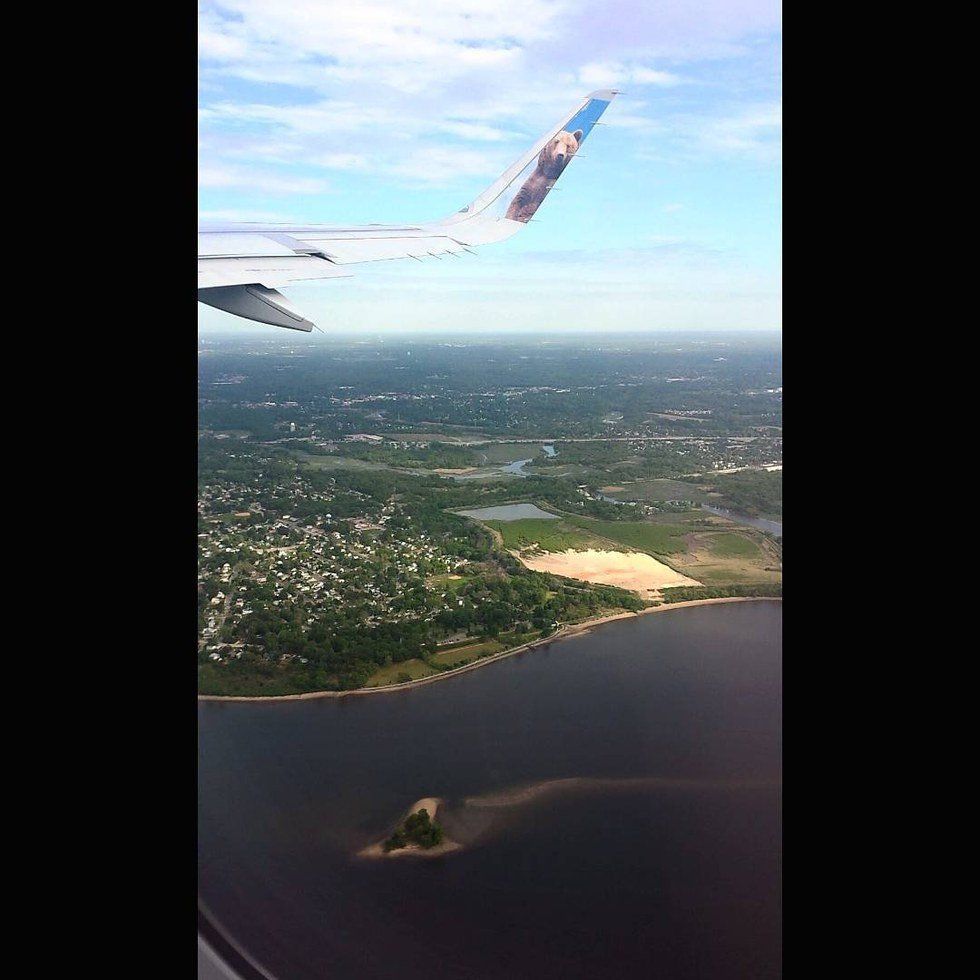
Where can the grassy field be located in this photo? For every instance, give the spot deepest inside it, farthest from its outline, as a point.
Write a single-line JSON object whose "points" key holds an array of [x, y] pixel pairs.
{"points": [[709, 549], [468, 653], [654, 490], [316, 462], [392, 674], [730, 556], [656, 539], [731, 572], [498, 453], [733, 545], [688, 543], [455, 656], [666, 537], [548, 535]]}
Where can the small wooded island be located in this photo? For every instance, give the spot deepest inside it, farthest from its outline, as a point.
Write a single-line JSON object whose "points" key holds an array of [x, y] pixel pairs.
{"points": [[417, 835], [417, 829]]}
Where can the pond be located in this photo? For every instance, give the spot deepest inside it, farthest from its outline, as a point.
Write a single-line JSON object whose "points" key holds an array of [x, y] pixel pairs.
{"points": [[509, 512]]}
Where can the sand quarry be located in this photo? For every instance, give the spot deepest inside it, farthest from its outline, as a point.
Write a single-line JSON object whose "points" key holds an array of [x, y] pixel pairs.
{"points": [[632, 570]]}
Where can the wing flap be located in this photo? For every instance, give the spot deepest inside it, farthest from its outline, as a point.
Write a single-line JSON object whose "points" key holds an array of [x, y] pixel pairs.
{"points": [[346, 251], [255, 302], [267, 270]]}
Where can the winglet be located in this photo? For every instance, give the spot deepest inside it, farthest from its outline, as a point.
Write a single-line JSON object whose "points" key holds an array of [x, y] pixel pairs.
{"points": [[513, 198]]}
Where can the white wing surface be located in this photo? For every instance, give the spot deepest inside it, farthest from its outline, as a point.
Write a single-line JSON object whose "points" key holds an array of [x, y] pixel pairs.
{"points": [[240, 266]]}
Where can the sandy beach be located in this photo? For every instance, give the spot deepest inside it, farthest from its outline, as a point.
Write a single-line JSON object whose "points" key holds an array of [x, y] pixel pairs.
{"points": [[572, 629], [633, 570]]}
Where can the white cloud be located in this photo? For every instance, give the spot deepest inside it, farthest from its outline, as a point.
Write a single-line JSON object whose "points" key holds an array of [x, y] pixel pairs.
{"points": [[610, 74], [443, 164], [342, 161], [216, 45], [676, 31], [231, 215], [409, 44], [753, 130], [228, 178], [308, 136], [649, 76], [475, 131], [421, 89]]}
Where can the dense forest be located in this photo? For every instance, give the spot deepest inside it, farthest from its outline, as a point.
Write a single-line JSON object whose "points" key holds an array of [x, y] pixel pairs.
{"points": [[703, 387], [758, 493]]}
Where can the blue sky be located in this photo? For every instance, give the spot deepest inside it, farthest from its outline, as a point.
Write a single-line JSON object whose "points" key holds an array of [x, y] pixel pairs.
{"points": [[404, 110]]}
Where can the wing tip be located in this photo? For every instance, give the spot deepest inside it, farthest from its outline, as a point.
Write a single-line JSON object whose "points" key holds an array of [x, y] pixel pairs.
{"points": [[603, 94]]}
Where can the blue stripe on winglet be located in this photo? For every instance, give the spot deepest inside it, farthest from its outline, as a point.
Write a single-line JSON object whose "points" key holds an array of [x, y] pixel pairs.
{"points": [[587, 116]]}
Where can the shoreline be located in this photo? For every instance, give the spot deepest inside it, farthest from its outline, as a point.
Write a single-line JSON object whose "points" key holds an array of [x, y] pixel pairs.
{"points": [[572, 629]]}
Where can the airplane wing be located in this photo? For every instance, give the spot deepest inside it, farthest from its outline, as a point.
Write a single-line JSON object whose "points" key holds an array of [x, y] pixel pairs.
{"points": [[240, 266]]}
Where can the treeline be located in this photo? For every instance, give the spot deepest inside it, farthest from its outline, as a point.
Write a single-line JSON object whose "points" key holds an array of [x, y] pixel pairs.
{"points": [[687, 593], [510, 388], [757, 493], [339, 657], [418, 829]]}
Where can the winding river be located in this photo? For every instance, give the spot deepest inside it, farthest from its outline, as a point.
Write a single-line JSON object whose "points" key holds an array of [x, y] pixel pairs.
{"points": [[773, 527]]}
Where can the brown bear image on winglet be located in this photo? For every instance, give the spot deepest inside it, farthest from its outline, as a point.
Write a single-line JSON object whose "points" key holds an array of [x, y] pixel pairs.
{"points": [[552, 160]]}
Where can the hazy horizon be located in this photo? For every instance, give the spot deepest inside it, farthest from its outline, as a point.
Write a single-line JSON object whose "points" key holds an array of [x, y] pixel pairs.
{"points": [[276, 335]]}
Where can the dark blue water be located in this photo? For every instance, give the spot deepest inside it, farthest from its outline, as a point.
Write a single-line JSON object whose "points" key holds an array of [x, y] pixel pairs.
{"points": [[674, 878], [516, 468]]}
